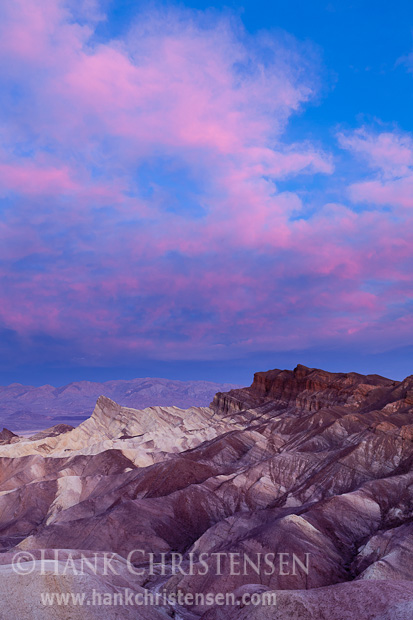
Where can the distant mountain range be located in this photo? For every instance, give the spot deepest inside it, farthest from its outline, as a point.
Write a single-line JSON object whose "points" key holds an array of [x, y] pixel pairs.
{"points": [[27, 408]]}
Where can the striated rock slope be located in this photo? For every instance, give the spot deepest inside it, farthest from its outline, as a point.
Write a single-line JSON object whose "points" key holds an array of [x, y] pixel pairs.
{"points": [[302, 462], [145, 436], [309, 389]]}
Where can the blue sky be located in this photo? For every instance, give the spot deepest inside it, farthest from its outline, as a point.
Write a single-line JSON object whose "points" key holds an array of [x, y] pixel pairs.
{"points": [[196, 190], [363, 47]]}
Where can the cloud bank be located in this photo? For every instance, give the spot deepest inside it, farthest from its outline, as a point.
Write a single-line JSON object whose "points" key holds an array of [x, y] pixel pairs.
{"points": [[142, 203]]}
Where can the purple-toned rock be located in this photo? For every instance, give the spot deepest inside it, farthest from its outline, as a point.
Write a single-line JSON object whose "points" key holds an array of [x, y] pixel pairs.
{"points": [[302, 484]]}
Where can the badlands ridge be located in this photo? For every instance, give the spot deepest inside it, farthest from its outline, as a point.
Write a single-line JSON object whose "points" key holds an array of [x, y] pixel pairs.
{"points": [[301, 462]]}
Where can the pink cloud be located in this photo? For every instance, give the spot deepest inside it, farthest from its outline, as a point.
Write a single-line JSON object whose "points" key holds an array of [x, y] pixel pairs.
{"points": [[397, 192], [390, 154], [31, 179], [94, 256]]}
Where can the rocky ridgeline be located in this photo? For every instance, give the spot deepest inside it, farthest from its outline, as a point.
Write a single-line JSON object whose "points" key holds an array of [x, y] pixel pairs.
{"points": [[7, 437], [25, 407], [302, 461], [308, 389]]}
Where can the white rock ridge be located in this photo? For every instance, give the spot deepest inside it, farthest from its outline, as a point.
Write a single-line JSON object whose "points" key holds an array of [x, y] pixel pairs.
{"points": [[144, 436]]}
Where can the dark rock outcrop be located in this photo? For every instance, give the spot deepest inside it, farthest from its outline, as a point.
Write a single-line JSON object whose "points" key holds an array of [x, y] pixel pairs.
{"points": [[7, 436], [53, 431], [309, 389]]}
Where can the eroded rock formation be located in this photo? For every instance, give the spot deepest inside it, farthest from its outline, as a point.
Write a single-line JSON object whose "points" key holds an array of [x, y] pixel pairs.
{"points": [[305, 463], [28, 408]]}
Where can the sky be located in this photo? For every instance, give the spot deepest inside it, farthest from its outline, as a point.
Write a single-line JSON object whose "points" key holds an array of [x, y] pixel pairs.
{"points": [[203, 190]]}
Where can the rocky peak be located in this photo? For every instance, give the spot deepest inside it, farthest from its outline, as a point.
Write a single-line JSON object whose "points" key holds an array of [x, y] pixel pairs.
{"points": [[53, 431], [7, 436]]}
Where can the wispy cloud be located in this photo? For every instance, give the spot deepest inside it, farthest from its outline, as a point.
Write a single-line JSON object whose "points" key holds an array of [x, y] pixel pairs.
{"points": [[142, 211]]}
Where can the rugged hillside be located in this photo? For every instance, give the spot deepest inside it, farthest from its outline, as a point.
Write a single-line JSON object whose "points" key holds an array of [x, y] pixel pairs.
{"points": [[301, 462], [145, 436], [309, 389], [24, 407]]}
